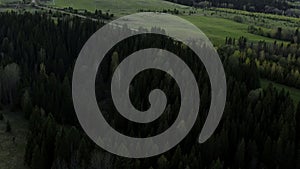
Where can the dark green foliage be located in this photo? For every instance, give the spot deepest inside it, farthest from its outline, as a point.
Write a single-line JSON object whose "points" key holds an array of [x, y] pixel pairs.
{"points": [[1, 116], [8, 127], [240, 155], [292, 36], [238, 19], [276, 62], [26, 104], [258, 130], [163, 163], [217, 164]]}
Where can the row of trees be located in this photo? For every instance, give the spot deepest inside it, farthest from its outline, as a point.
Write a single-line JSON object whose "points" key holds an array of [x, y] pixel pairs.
{"points": [[170, 11], [292, 36], [269, 6]]}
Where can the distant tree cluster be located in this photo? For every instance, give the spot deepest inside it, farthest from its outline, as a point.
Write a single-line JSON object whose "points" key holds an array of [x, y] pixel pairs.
{"points": [[268, 6], [279, 33], [171, 11], [277, 62], [97, 14]]}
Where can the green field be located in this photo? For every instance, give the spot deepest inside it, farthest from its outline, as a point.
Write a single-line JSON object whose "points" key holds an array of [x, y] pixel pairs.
{"points": [[118, 7], [294, 93], [217, 29]]}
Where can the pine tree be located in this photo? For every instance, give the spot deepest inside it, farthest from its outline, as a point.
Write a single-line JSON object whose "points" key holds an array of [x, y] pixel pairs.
{"points": [[217, 164], [36, 158], [240, 154], [8, 127], [176, 158], [26, 104], [114, 62], [162, 162]]}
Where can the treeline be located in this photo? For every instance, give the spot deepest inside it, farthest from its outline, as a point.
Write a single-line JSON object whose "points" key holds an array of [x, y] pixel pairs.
{"points": [[97, 14], [170, 11], [258, 130], [293, 36], [269, 6], [277, 61]]}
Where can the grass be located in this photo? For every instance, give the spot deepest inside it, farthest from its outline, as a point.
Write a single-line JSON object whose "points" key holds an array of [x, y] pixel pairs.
{"points": [[264, 15], [12, 153], [217, 29], [294, 93], [118, 7]]}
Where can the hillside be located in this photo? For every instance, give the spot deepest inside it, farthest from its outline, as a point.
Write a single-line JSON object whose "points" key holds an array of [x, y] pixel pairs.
{"points": [[40, 42], [269, 6], [118, 7]]}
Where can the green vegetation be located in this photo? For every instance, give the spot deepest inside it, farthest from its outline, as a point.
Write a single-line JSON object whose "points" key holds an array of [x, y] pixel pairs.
{"points": [[12, 145], [217, 29], [9, 1], [216, 26], [268, 6], [294, 93], [258, 19], [216, 23], [252, 121], [257, 14], [260, 126], [8, 127], [1, 116], [118, 7]]}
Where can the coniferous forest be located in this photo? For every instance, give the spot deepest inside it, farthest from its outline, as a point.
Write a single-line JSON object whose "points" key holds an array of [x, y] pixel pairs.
{"points": [[260, 127]]}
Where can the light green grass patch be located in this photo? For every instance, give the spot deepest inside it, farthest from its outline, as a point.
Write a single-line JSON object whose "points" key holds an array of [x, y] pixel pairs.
{"points": [[217, 29]]}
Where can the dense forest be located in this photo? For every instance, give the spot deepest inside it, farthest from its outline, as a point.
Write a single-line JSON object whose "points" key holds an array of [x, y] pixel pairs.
{"points": [[277, 62], [260, 127]]}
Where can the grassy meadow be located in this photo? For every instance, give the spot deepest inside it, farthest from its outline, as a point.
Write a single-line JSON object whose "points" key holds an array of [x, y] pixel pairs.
{"points": [[216, 27], [118, 7]]}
